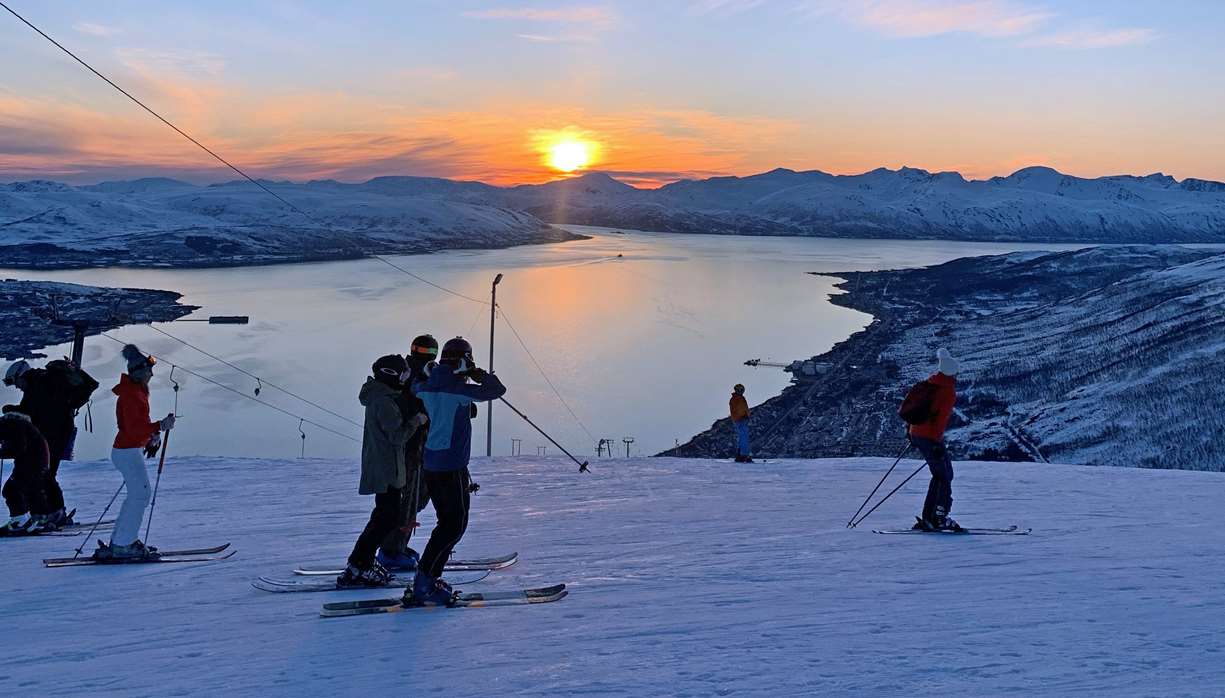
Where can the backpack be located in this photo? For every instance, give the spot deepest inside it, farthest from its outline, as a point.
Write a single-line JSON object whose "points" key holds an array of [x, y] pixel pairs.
{"points": [[918, 407], [74, 385]]}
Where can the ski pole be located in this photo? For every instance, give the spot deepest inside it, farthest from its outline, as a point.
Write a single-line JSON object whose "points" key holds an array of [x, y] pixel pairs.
{"points": [[886, 497], [882, 481], [99, 521], [582, 465], [160, 464]]}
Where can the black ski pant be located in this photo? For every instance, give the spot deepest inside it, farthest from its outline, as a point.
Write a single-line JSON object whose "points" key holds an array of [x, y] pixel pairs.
{"points": [[55, 495], [23, 493], [385, 517], [449, 491], [939, 500], [416, 497]]}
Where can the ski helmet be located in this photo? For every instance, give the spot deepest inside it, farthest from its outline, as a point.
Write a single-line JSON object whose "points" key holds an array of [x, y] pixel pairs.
{"points": [[424, 349], [457, 350], [390, 369], [738, 388], [15, 371]]}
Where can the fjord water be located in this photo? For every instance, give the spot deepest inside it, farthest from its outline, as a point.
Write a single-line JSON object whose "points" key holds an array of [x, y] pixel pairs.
{"points": [[643, 334]]}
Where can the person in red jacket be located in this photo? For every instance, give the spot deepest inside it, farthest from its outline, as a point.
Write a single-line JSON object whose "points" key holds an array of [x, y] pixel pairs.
{"points": [[928, 438], [137, 437]]}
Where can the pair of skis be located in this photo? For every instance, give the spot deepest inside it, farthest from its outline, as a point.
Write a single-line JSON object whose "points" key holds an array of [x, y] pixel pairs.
{"points": [[311, 579], [189, 555], [516, 597], [73, 529], [1009, 531]]}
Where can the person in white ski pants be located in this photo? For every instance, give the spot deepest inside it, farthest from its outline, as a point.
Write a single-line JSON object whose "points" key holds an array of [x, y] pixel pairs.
{"points": [[130, 462]]}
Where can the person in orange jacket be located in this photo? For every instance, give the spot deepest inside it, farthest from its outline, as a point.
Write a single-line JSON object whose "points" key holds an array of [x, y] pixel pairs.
{"points": [[137, 437], [740, 420], [928, 438]]}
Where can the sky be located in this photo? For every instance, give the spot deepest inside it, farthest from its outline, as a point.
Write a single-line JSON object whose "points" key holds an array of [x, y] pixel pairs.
{"points": [[656, 90]]}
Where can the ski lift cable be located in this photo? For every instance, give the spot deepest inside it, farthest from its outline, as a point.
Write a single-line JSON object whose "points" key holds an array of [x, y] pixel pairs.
{"points": [[240, 393], [261, 381], [544, 375], [213, 154]]}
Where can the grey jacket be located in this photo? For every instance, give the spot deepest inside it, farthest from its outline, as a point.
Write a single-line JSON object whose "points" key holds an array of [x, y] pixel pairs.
{"points": [[383, 440]]}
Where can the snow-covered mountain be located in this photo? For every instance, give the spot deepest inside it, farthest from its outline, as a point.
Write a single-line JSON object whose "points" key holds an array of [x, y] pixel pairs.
{"points": [[686, 578], [1033, 204], [167, 222], [1102, 356]]}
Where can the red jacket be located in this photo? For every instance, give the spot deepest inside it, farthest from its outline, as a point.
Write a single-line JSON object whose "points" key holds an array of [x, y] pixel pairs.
{"points": [[942, 407], [132, 414]]}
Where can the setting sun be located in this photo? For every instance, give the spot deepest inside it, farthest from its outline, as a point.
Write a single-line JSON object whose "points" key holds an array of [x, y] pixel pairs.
{"points": [[568, 156]]}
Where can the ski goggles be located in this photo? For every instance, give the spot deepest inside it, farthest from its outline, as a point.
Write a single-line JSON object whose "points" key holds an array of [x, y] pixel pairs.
{"points": [[418, 350]]}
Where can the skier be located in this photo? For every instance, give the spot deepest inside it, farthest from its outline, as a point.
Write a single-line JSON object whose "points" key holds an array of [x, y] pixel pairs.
{"points": [[51, 397], [138, 437], [25, 492], [740, 420], [449, 399], [928, 438], [388, 428], [395, 554]]}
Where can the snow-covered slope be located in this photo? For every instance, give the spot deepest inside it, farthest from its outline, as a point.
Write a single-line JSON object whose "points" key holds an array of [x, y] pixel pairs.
{"points": [[162, 221], [1033, 204], [688, 578]]}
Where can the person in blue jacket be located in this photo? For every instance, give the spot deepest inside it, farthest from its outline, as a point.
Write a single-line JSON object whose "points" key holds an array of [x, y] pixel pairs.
{"points": [[449, 400]]}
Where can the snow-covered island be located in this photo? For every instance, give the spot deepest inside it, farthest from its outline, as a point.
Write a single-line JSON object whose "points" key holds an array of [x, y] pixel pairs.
{"points": [[28, 310], [1103, 356]]}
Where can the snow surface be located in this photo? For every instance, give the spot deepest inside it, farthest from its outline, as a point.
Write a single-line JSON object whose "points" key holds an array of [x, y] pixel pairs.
{"points": [[688, 577]]}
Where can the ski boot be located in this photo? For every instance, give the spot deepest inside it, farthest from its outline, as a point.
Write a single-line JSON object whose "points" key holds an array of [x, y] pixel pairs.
{"points": [[429, 591], [406, 561], [922, 524], [373, 576], [124, 553], [948, 524], [16, 525], [42, 524], [62, 518]]}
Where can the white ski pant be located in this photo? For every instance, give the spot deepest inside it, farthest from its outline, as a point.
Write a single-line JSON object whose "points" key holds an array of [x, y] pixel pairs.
{"points": [[130, 462]]}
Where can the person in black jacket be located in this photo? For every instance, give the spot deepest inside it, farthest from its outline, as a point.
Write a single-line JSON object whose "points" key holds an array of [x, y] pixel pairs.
{"points": [[24, 493], [51, 397]]}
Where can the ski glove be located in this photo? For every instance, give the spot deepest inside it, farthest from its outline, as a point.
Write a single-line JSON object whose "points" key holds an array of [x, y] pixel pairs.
{"points": [[473, 487], [168, 423]]}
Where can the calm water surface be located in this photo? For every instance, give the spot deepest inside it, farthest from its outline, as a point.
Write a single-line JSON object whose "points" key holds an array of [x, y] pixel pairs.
{"points": [[646, 345]]}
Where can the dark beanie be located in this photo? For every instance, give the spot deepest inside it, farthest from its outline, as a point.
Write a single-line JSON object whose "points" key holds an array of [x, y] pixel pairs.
{"points": [[136, 360]]}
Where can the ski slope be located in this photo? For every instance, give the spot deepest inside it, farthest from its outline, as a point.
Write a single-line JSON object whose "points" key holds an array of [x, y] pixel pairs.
{"points": [[687, 577]]}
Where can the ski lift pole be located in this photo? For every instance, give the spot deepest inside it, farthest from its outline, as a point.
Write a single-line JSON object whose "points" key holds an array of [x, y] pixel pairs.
{"points": [[849, 523], [853, 524], [582, 465], [161, 463]]}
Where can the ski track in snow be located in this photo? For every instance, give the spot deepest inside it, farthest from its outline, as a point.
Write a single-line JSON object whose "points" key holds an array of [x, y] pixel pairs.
{"points": [[687, 578]]}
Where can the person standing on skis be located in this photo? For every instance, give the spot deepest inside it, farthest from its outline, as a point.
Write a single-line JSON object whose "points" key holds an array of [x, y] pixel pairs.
{"points": [[25, 492], [394, 553], [138, 437], [740, 420], [449, 399], [386, 433], [928, 438], [50, 397]]}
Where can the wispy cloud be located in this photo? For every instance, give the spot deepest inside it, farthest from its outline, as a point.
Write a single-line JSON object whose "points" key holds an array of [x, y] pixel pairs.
{"points": [[589, 15], [92, 29], [921, 18], [557, 38], [1094, 38], [723, 7]]}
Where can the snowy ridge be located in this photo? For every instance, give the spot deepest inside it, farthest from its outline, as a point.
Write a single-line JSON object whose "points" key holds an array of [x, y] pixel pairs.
{"points": [[1033, 204], [1101, 356], [171, 223], [687, 577]]}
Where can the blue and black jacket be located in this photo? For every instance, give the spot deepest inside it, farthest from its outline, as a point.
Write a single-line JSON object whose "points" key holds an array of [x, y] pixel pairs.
{"points": [[448, 401]]}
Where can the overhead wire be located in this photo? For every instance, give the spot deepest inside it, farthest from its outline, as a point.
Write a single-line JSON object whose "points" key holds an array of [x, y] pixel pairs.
{"points": [[236, 391], [544, 375]]}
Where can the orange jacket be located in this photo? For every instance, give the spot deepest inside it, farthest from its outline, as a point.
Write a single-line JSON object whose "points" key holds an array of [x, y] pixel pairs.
{"points": [[942, 407], [739, 407], [132, 414]]}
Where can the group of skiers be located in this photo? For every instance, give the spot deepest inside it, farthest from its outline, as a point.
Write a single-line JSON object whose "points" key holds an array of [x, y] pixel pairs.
{"points": [[926, 410], [416, 444], [40, 431]]}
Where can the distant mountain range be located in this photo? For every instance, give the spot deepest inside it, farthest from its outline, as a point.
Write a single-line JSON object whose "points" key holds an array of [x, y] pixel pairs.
{"points": [[236, 223]]}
